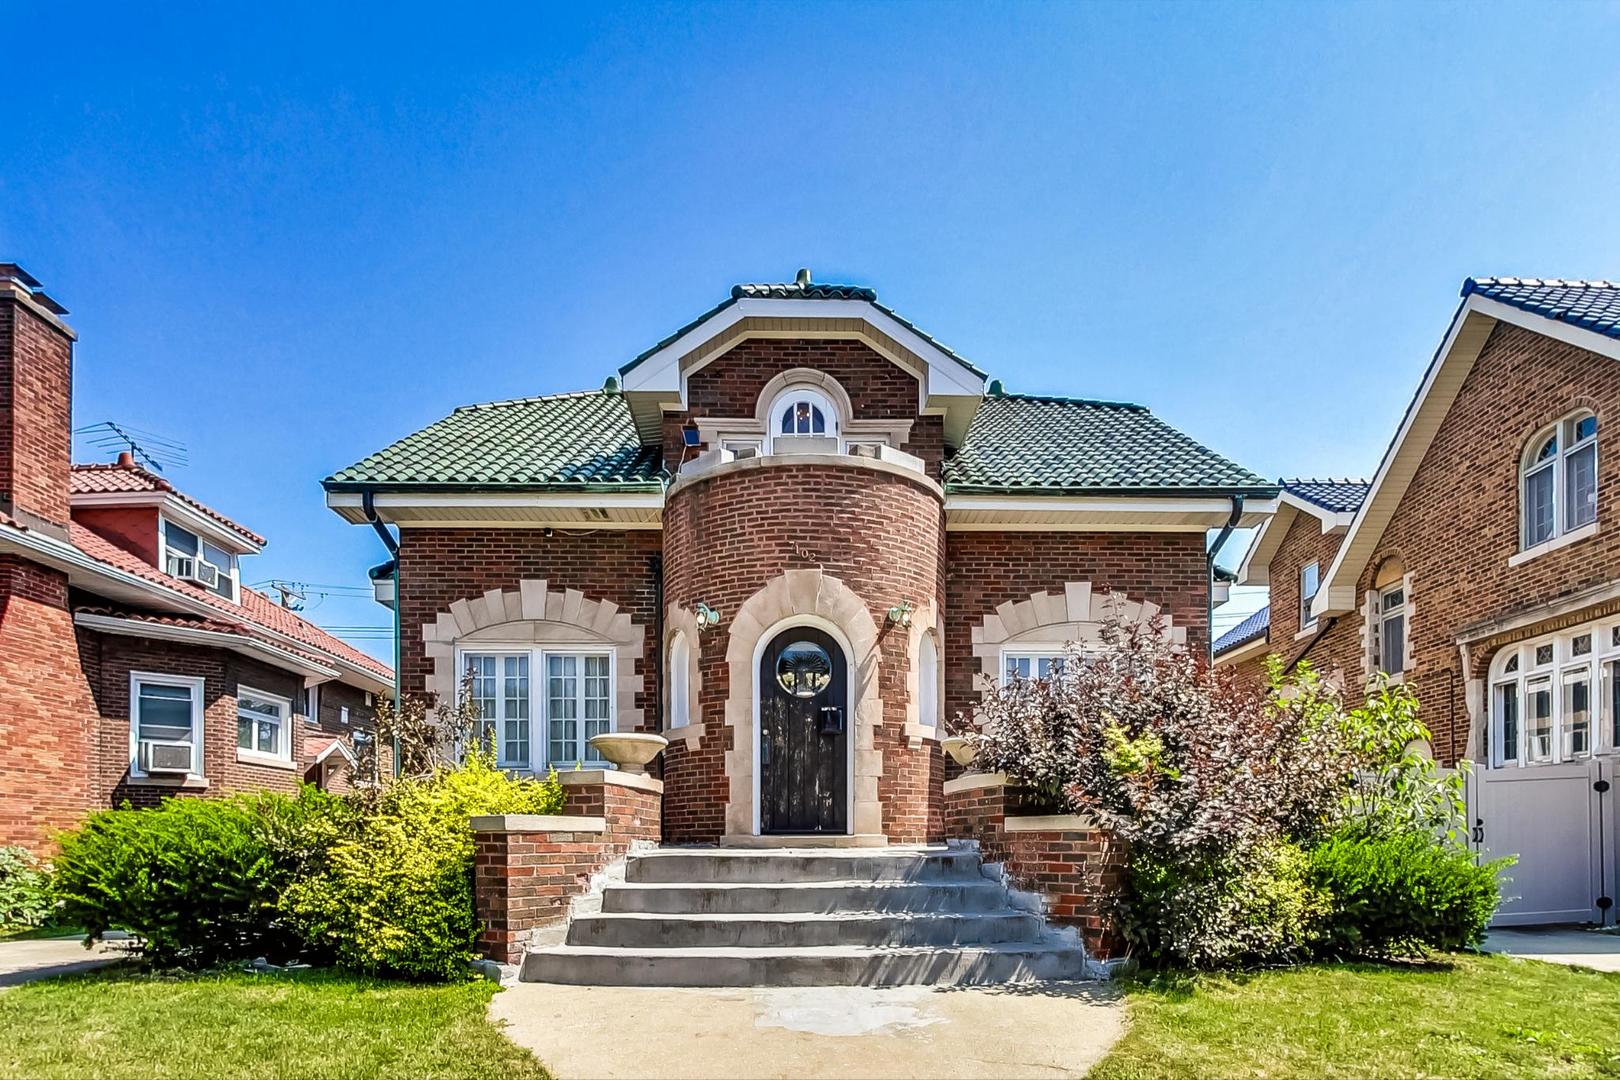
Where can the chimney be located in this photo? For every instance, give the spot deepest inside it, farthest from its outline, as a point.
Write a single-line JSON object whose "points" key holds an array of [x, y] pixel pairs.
{"points": [[36, 403]]}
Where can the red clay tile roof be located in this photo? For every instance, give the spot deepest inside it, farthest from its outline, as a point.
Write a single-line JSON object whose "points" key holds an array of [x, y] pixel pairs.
{"points": [[115, 477], [255, 612]]}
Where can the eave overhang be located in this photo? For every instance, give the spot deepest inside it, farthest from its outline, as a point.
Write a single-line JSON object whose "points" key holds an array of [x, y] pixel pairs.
{"points": [[1470, 328]]}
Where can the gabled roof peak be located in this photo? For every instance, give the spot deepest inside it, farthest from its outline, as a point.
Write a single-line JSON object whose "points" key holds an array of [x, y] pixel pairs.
{"points": [[802, 288], [1590, 305]]}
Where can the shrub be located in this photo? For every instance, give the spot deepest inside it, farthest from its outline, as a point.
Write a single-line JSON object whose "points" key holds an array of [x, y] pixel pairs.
{"points": [[394, 895], [1209, 786], [25, 888], [1402, 893], [1251, 905], [196, 879]]}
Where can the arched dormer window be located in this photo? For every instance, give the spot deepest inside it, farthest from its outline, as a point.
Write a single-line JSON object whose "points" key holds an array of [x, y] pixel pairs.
{"points": [[800, 412], [1558, 480]]}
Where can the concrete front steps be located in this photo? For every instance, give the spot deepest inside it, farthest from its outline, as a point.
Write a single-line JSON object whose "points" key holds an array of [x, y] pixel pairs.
{"points": [[822, 917]]}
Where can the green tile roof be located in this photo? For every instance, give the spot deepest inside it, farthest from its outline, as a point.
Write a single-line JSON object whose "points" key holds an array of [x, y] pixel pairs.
{"points": [[1021, 442], [581, 441]]}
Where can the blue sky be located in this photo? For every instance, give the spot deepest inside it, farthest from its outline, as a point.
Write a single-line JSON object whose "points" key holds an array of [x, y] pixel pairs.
{"points": [[287, 241]]}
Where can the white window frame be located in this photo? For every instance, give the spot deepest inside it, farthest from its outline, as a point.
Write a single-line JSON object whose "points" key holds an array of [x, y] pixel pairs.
{"points": [[1597, 667], [499, 721], [1034, 654], [832, 421], [540, 700], [312, 705], [1380, 616], [282, 755], [192, 683], [1567, 448], [1306, 619], [231, 573]]}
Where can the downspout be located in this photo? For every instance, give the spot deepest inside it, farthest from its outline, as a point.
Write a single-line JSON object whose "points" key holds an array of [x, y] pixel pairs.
{"points": [[1209, 575], [369, 508]]}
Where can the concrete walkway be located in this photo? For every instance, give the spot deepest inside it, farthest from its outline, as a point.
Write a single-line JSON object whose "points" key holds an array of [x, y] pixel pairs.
{"points": [[1031, 1030], [1581, 948], [25, 961]]}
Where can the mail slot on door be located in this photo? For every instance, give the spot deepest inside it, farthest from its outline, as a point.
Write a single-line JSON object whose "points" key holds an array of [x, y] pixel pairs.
{"points": [[832, 720]]}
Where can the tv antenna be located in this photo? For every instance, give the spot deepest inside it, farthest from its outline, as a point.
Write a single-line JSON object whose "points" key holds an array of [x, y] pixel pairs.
{"points": [[152, 450]]}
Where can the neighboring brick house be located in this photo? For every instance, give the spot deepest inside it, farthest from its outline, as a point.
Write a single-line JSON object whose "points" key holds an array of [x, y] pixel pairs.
{"points": [[1289, 554], [133, 662], [793, 537], [1483, 570]]}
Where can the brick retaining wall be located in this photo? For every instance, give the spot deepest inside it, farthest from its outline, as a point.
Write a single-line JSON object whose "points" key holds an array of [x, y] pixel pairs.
{"points": [[528, 868], [1065, 859]]}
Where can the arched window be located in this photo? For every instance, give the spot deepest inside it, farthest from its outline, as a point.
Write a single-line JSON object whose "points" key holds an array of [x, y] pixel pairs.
{"points": [[1558, 480], [928, 681], [800, 412], [680, 682]]}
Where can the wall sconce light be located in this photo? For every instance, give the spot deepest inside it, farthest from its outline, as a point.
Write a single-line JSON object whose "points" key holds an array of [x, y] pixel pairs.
{"points": [[900, 614], [707, 617]]}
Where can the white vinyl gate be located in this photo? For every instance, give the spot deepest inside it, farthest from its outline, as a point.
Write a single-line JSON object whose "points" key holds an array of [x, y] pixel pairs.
{"points": [[1559, 821]]}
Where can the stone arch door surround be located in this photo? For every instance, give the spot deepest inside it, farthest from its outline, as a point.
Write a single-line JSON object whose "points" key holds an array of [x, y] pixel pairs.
{"points": [[809, 597]]}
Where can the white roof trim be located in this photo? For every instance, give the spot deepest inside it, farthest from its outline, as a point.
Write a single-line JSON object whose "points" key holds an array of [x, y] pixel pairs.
{"points": [[1470, 327], [661, 371], [1258, 647], [237, 643], [1025, 513], [176, 510], [338, 744], [115, 584], [1256, 566]]}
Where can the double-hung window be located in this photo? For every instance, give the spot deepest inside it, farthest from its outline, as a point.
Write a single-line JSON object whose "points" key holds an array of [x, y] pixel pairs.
{"points": [[1030, 664], [1558, 481], [570, 701], [262, 730], [1310, 578], [187, 555], [1389, 630], [165, 723]]}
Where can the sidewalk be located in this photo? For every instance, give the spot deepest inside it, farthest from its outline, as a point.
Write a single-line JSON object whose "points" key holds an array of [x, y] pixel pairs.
{"points": [[25, 961], [1581, 948]]}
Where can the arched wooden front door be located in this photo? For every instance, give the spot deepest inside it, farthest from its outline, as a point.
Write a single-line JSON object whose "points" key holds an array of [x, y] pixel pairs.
{"points": [[803, 734]]}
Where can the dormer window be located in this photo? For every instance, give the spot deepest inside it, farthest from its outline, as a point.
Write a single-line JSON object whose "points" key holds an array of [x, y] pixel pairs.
{"points": [[802, 413], [189, 557], [1558, 481]]}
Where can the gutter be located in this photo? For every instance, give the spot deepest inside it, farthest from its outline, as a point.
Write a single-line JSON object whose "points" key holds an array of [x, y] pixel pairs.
{"points": [[1209, 573], [387, 538], [237, 643]]}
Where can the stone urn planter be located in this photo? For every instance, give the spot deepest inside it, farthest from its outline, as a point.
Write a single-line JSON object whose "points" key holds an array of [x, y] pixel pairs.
{"points": [[961, 750], [629, 750]]}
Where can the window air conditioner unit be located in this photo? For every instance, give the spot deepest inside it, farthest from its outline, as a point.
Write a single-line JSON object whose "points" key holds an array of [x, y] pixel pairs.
{"points": [[165, 757], [205, 574]]}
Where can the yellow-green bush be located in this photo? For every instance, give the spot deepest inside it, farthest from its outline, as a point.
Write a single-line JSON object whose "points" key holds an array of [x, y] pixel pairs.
{"points": [[394, 896]]}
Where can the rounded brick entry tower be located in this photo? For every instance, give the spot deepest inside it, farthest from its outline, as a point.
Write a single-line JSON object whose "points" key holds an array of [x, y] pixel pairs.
{"points": [[800, 591]]}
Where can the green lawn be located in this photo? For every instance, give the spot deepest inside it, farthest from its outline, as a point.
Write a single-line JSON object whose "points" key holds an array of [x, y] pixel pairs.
{"points": [[119, 1023], [1469, 1016]]}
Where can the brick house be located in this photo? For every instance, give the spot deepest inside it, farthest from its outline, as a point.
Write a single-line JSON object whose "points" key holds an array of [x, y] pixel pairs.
{"points": [[1481, 567], [134, 664], [793, 537]]}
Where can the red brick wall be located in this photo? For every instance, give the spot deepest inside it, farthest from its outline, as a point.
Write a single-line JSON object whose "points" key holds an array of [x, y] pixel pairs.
{"points": [[525, 881], [108, 661], [133, 528], [1075, 870], [36, 413], [440, 566], [985, 569], [727, 537], [45, 708], [878, 389]]}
